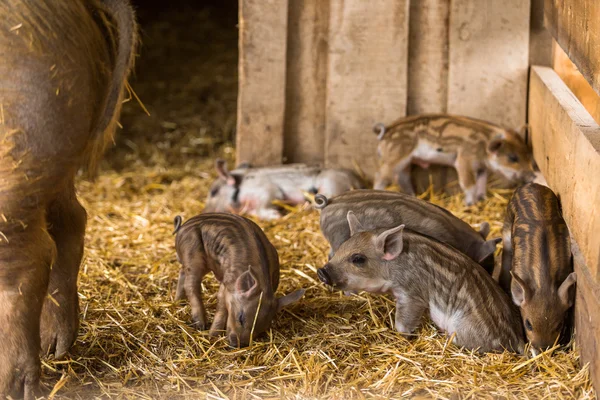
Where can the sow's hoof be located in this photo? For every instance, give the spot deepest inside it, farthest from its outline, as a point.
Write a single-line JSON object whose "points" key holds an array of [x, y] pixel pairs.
{"points": [[58, 327], [19, 373]]}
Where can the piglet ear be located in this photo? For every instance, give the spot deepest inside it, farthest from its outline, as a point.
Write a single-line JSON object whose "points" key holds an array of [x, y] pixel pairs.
{"points": [[390, 243], [519, 289], [246, 283], [289, 299], [564, 294], [354, 223], [487, 248], [223, 172], [484, 229], [495, 144]]}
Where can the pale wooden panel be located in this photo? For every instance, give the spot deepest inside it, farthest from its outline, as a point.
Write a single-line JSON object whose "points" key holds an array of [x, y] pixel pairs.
{"points": [[575, 24], [489, 54], [261, 87], [587, 317], [566, 143], [428, 57], [540, 40], [580, 87], [304, 139], [366, 77]]}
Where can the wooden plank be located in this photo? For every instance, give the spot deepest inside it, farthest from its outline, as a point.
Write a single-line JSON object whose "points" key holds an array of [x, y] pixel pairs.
{"points": [[575, 26], [261, 87], [587, 316], [566, 143], [366, 80], [540, 40], [304, 139], [488, 60], [580, 87], [428, 57]]}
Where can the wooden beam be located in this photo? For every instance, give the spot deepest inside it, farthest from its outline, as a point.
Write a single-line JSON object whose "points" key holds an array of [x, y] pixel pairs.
{"points": [[575, 24], [580, 87], [366, 80], [540, 40], [488, 60], [261, 88], [304, 139], [566, 144], [428, 57]]}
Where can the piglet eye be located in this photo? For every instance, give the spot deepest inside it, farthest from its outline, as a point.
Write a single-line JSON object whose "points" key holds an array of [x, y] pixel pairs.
{"points": [[528, 325], [241, 318], [513, 158], [358, 259]]}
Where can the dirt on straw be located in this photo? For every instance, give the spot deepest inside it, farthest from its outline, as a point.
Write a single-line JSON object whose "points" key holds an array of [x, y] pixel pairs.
{"points": [[135, 341]]}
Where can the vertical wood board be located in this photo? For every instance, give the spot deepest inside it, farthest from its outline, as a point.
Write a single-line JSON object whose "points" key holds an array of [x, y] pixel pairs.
{"points": [[488, 60], [261, 87], [428, 57], [367, 76], [304, 139], [540, 40]]}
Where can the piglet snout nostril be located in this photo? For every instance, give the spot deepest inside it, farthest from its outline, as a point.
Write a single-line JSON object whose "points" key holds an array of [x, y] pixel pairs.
{"points": [[324, 276], [234, 341]]}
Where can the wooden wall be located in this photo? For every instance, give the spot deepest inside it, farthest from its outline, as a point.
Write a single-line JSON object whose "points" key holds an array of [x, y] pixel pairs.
{"points": [[316, 75]]}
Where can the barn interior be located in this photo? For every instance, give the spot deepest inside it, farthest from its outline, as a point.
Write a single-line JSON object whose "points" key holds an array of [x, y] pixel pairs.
{"points": [[136, 341]]}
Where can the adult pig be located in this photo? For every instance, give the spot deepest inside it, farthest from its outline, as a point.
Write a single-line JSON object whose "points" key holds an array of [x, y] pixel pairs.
{"points": [[63, 67]]}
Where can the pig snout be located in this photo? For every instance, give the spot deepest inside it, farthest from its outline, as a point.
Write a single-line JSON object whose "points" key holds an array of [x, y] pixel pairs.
{"points": [[529, 176], [235, 342], [324, 275]]}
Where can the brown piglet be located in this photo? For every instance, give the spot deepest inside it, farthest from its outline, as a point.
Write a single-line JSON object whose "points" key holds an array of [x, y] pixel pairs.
{"points": [[237, 251], [537, 269], [422, 273]]}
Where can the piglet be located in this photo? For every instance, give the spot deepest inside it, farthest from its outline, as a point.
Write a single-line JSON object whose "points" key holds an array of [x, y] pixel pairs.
{"points": [[382, 209], [537, 256], [237, 251], [422, 273], [248, 190]]}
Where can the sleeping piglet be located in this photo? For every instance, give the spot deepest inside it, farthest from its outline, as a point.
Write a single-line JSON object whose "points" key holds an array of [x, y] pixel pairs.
{"points": [[383, 209], [253, 190], [537, 269], [237, 251], [422, 273]]}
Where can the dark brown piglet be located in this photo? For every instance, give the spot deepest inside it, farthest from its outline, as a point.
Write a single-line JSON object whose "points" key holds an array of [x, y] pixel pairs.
{"points": [[424, 274], [382, 209], [237, 251], [537, 256]]}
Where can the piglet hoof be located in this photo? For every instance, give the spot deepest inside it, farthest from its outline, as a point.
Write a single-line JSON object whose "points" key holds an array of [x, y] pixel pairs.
{"points": [[59, 325], [199, 326], [216, 332]]}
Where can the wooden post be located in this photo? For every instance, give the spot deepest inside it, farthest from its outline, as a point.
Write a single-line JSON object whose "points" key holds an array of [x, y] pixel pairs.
{"points": [[261, 95], [366, 80], [540, 40], [575, 24], [566, 143], [306, 81], [489, 55], [428, 57]]}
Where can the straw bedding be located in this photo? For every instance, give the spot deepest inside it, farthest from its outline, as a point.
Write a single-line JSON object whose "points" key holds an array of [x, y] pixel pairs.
{"points": [[135, 341]]}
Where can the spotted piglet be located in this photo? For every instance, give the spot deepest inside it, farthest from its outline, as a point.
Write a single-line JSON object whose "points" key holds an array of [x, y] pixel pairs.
{"points": [[237, 251]]}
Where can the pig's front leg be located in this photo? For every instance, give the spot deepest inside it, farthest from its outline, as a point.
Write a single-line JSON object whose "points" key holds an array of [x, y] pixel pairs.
{"points": [[466, 178], [403, 178], [408, 314], [481, 183], [220, 321]]}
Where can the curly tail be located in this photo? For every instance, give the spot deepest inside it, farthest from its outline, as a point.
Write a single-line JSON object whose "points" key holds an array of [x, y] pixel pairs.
{"points": [[320, 201], [177, 222], [379, 129]]}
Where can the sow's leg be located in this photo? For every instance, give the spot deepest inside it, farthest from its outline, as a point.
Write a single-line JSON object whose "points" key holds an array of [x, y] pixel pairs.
{"points": [[26, 255], [60, 315]]}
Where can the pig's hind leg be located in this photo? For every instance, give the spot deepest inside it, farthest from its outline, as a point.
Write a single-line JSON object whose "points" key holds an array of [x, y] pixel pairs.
{"points": [[195, 268], [220, 321], [60, 314]]}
